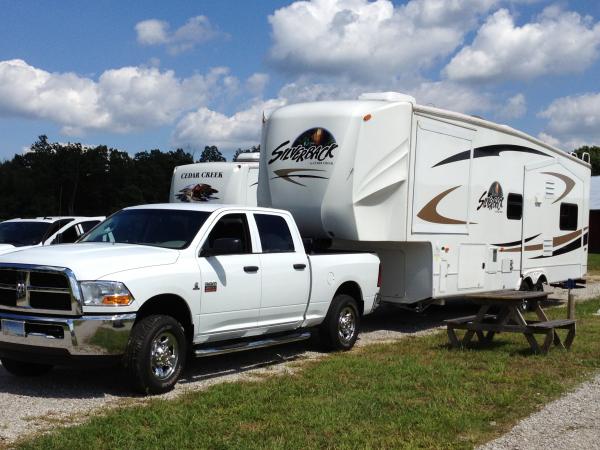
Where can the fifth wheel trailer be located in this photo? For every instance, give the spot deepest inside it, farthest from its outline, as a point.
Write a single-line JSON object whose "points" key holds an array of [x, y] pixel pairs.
{"points": [[453, 204], [232, 183]]}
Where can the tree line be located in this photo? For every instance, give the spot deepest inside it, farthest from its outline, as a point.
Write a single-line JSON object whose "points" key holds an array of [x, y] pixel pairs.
{"points": [[54, 179], [594, 152]]}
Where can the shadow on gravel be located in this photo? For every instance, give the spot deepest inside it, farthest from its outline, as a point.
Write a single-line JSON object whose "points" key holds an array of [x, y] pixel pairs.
{"points": [[400, 320], [69, 383]]}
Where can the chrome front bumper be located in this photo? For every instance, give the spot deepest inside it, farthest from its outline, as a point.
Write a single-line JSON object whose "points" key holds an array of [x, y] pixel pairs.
{"points": [[79, 336]]}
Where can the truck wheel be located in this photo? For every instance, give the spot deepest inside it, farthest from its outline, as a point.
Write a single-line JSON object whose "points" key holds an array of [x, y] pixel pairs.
{"points": [[156, 354], [25, 369], [340, 328]]}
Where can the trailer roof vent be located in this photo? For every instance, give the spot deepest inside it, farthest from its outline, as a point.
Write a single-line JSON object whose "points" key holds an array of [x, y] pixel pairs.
{"points": [[388, 97]]}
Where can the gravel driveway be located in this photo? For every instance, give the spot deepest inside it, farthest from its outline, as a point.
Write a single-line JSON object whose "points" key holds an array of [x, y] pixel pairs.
{"points": [[571, 422], [68, 396]]}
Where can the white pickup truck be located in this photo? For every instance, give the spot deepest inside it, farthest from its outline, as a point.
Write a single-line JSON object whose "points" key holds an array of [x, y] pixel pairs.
{"points": [[153, 284]]}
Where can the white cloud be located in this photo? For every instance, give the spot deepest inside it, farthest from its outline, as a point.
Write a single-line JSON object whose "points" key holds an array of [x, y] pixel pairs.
{"points": [[256, 83], [197, 30], [206, 127], [367, 39], [574, 120], [242, 129], [122, 100], [549, 139], [558, 42], [152, 32], [65, 98], [514, 108], [448, 95], [442, 94], [306, 89]]}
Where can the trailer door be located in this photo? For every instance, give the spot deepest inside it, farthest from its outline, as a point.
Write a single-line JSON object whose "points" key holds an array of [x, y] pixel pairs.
{"points": [[441, 193], [552, 220]]}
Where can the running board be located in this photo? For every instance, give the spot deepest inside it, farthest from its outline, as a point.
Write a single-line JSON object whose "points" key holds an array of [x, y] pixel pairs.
{"points": [[251, 345]]}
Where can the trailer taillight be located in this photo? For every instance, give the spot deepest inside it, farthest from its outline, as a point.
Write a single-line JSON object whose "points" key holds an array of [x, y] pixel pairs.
{"points": [[379, 277]]}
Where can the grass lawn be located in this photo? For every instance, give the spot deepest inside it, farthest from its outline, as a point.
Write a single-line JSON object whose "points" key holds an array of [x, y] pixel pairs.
{"points": [[415, 393], [594, 263]]}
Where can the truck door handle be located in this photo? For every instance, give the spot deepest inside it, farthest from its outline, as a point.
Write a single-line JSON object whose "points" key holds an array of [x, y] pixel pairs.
{"points": [[299, 266], [250, 269]]}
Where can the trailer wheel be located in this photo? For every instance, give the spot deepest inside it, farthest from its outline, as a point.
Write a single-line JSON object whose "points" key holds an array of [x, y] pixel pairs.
{"points": [[527, 285], [339, 330], [25, 369], [156, 354], [539, 286]]}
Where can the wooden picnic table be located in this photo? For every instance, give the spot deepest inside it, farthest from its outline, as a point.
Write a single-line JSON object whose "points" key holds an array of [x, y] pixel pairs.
{"points": [[507, 317]]}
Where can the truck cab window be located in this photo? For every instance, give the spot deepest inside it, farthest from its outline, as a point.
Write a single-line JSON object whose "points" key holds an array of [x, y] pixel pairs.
{"points": [[230, 235], [514, 206], [87, 226], [275, 235], [68, 236], [57, 225], [568, 216]]}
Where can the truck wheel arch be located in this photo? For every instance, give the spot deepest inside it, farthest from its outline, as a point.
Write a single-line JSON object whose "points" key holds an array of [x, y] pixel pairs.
{"points": [[352, 289], [169, 305]]}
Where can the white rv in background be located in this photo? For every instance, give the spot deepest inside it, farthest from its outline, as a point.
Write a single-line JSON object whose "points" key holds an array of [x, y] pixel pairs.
{"points": [[232, 183], [452, 204]]}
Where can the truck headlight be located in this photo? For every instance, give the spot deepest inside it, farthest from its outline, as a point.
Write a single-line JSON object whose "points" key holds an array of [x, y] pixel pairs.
{"points": [[105, 293]]}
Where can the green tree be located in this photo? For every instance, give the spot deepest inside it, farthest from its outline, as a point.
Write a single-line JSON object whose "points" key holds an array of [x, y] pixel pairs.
{"points": [[211, 154], [594, 152], [57, 179]]}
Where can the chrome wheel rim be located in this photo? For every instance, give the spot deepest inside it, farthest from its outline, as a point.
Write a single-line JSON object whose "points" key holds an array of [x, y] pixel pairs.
{"points": [[346, 324], [164, 355]]}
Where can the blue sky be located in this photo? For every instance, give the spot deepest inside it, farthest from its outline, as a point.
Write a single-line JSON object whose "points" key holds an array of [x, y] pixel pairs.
{"points": [[141, 75]]}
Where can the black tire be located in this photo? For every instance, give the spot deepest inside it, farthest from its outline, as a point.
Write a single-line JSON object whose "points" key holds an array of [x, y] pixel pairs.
{"points": [[156, 354], [341, 326], [25, 369], [526, 285]]}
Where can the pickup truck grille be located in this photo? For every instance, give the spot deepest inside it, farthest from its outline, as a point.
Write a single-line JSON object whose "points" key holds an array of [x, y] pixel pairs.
{"points": [[47, 290]]}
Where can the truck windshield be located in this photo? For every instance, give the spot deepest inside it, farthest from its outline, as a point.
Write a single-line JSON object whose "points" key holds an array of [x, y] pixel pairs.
{"points": [[167, 228], [23, 233]]}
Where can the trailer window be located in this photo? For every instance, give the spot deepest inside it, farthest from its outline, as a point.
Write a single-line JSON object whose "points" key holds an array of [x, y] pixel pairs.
{"points": [[568, 216], [514, 206], [275, 236]]}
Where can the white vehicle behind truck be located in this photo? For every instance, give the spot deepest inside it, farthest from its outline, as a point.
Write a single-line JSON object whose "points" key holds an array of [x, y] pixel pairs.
{"points": [[231, 183], [20, 234], [153, 284]]}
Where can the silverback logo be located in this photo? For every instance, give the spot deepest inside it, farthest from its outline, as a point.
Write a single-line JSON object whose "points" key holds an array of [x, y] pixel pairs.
{"points": [[493, 198], [316, 144]]}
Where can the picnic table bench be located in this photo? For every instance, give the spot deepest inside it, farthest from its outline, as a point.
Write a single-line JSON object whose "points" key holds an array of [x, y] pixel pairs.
{"points": [[507, 317]]}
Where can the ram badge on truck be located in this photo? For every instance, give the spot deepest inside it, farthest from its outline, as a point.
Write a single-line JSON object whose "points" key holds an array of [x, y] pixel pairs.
{"points": [[153, 284]]}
